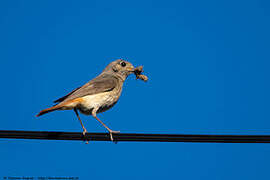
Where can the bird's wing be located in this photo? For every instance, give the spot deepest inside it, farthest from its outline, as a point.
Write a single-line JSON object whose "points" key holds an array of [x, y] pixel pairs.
{"points": [[64, 97], [100, 84]]}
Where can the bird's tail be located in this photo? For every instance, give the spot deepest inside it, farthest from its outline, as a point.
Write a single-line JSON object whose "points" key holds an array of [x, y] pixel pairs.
{"points": [[63, 106], [44, 111]]}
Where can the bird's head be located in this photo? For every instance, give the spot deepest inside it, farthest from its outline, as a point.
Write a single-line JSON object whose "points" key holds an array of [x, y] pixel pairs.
{"points": [[120, 68]]}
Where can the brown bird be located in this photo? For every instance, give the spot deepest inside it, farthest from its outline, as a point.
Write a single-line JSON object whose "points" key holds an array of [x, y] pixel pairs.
{"points": [[98, 95]]}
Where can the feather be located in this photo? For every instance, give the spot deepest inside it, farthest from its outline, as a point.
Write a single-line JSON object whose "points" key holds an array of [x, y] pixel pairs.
{"points": [[64, 97], [100, 84]]}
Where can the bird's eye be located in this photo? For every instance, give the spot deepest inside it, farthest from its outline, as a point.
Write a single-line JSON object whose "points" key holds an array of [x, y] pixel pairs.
{"points": [[123, 64]]}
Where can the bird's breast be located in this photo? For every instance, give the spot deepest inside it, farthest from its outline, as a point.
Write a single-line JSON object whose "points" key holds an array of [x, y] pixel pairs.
{"points": [[101, 101]]}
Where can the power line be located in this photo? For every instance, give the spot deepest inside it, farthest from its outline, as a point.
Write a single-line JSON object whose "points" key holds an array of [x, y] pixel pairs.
{"points": [[52, 135]]}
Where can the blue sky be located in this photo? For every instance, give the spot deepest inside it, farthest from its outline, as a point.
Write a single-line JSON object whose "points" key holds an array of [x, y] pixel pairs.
{"points": [[208, 69]]}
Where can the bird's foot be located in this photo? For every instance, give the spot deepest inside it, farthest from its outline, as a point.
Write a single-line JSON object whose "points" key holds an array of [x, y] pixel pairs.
{"points": [[84, 133], [111, 135]]}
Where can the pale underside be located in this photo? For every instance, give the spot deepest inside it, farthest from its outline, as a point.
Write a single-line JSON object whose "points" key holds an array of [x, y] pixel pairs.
{"points": [[101, 102]]}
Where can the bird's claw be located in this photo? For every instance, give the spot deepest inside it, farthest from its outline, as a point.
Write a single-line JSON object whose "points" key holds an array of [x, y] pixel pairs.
{"points": [[111, 135], [84, 133]]}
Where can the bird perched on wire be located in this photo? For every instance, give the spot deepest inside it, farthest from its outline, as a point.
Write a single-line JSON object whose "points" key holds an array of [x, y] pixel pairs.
{"points": [[98, 95]]}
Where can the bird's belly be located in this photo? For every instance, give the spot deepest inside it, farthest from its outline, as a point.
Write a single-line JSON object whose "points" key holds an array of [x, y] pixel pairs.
{"points": [[101, 102]]}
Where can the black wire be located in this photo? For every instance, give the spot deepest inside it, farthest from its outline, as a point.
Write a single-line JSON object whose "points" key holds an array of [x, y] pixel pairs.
{"points": [[49, 135]]}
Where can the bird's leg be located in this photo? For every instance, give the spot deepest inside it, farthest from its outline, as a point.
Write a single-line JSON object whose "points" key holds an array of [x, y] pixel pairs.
{"points": [[110, 131], [77, 114], [84, 129]]}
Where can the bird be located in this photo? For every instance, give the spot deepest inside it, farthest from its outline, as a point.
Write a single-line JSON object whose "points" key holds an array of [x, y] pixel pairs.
{"points": [[97, 95]]}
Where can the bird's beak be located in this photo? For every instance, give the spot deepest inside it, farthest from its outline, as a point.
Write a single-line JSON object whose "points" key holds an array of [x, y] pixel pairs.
{"points": [[130, 69]]}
